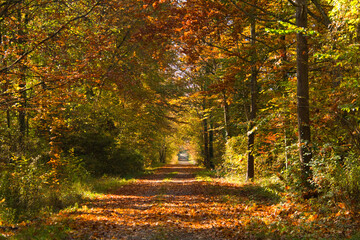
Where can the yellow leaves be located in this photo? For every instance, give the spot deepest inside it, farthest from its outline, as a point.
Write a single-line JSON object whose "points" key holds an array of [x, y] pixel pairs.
{"points": [[312, 217]]}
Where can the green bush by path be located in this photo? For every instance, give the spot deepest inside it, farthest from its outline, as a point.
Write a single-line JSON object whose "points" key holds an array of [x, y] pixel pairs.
{"points": [[29, 188], [101, 155]]}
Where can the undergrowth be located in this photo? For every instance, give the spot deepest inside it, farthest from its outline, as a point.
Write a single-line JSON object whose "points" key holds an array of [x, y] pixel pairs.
{"points": [[87, 189], [29, 196], [43, 232]]}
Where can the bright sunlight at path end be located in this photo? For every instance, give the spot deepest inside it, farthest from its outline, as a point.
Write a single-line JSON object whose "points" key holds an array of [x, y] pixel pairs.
{"points": [[173, 204]]}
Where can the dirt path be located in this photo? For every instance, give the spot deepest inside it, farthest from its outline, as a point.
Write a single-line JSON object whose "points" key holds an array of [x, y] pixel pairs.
{"points": [[172, 204]]}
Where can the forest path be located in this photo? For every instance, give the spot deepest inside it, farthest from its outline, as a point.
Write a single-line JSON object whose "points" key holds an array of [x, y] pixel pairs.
{"points": [[173, 204], [169, 204]]}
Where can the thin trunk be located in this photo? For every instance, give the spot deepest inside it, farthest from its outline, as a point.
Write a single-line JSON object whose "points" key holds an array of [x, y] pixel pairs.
{"points": [[8, 118], [22, 114], [286, 147], [164, 156], [284, 60], [162, 153], [303, 92], [253, 107], [206, 144], [206, 137], [22, 84], [6, 85], [211, 143], [226, 116]]}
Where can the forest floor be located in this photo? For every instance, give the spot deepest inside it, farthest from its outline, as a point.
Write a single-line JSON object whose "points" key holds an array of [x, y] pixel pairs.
{"points": [[172, 203]]}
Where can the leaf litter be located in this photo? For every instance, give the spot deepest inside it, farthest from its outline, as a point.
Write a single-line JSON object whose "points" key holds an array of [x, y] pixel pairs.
{"points": [[173, 204]]}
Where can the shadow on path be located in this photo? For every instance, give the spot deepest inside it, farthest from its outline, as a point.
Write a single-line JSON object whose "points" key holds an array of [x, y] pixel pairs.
{"points": [[171, 204]]}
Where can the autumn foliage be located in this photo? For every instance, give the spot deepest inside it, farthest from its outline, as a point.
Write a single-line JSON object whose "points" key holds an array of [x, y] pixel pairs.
{"points": [[250, 90]]}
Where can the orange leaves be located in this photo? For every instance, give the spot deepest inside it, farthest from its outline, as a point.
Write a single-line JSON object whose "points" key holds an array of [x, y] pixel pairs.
{"points": [[271, 138], [157, 2], [172, 204]]}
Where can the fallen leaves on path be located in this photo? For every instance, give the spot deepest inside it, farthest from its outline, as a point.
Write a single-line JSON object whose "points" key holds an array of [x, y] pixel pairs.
{"points": [[172, 204]]}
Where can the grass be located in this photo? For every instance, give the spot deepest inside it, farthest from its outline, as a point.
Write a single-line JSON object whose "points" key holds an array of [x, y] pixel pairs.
{"points": [[205, 175], [91, 188], [107, 184], [171, 175], [269, 189], [42, 232], [268, 185]]}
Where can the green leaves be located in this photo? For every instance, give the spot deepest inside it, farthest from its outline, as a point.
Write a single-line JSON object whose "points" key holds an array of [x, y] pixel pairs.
{"points": [[285, 28]]}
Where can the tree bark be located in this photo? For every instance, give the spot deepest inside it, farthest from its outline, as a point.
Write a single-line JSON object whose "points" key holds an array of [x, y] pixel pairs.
{"points": [[22, 114], [303, 92], [206, 143], [8, 118], [205, 136], [211, 145], [226, 116], [162, 153], [253, 106], [23, 20], [285, 78]]}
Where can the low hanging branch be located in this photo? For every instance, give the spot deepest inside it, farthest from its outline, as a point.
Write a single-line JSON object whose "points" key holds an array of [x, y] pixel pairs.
{"points": [[26, 53]]}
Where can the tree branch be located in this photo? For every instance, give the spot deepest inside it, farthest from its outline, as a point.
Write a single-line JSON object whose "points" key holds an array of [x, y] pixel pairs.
{"points": [[325, 18], [26, 53], [262, 10]]}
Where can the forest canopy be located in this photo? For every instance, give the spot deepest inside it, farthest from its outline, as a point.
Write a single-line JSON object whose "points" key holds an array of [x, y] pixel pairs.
{"points": [[253, 89]]}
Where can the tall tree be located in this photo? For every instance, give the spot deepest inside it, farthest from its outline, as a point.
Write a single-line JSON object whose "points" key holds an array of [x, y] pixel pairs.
{"points": [[302, 62], [253, 103]]}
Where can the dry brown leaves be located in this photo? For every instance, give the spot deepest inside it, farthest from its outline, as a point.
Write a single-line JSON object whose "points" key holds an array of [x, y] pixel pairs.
{"points": [[172, 204]]}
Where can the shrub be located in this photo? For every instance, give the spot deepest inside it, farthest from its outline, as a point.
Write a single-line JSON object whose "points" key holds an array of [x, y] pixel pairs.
{"points": [[22, 186], [338, 178], [235, 157], [124, 161], [28, 189], [101, 155]]}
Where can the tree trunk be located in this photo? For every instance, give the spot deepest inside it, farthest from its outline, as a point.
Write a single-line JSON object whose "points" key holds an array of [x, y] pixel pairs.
{"points": [[22, 114], [206, 137], [8, 118], [253, 107], [5, 86], [211, 145], [206, 143], [162, 153], [303, 92], [284, 60], [226, 116], [23, 20]]}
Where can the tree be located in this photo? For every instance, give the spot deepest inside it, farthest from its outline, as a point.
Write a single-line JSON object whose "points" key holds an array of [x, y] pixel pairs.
{"points": [[302, 59]]}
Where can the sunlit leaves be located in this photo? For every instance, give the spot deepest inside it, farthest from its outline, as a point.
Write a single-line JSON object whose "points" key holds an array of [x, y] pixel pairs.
{"points": [[172, 204]]}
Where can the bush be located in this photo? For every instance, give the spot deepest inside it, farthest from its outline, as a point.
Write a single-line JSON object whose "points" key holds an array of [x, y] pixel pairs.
{"points": [[338, 178], [91, 147], [42, 232], [101, 155], [235, 157], [29, 188], [21, 189], [124, 161]]}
